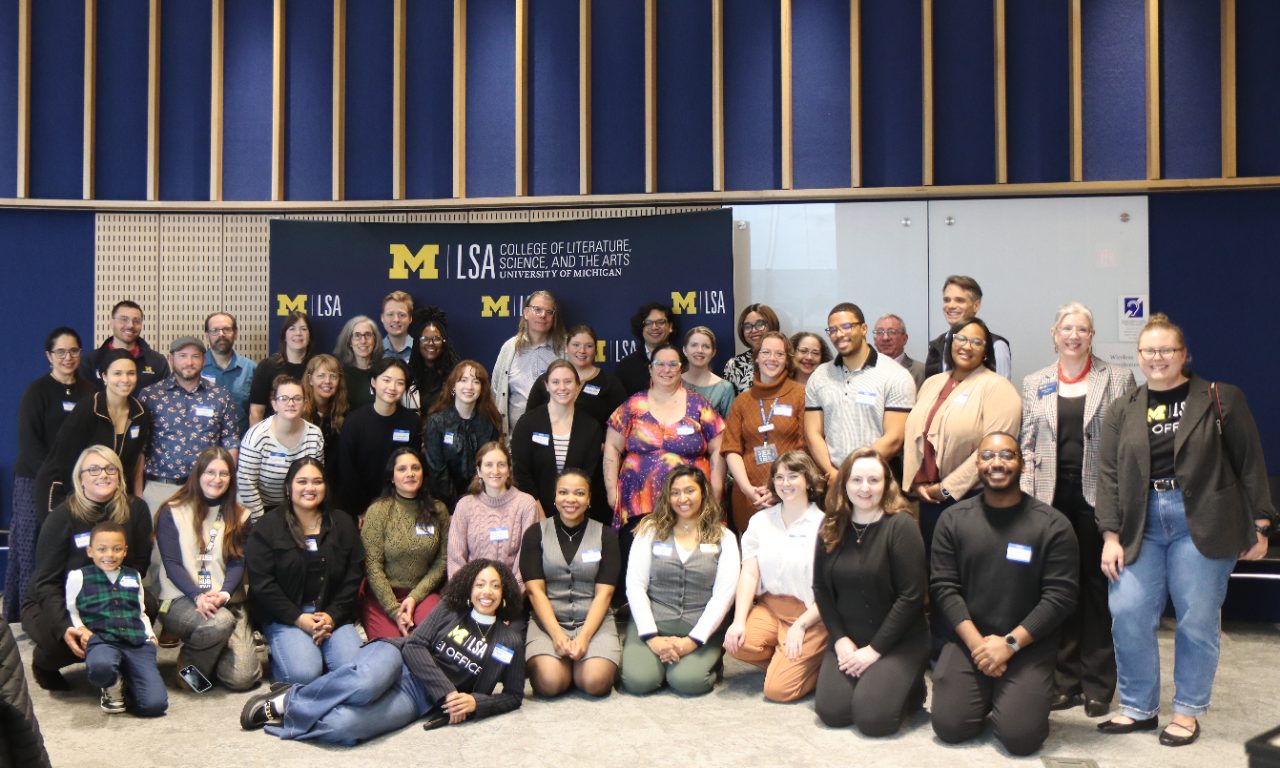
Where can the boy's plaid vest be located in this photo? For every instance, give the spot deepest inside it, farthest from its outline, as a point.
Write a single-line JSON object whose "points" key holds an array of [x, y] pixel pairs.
{"points": [[111, 610]]}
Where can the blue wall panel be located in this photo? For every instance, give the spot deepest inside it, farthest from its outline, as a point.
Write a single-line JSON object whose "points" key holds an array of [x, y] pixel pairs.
{"points": [[1114, 80], [491, 98], [8, 99], [684, 96], [820, 93], [1257, 87], [428, 144], [617, 97], [246, 98], [891, 86], [185, 54], [120, 135], [370, 93], [553, 97], [308, 103], [1190, 85], [1038, 90], [57, 98], [752, 95], [964, 100]]}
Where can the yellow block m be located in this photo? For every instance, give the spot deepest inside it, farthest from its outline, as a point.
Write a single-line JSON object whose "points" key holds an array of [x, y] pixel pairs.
{"points": [[286, 303], [404, 261], [684, 303], [500, 306]]}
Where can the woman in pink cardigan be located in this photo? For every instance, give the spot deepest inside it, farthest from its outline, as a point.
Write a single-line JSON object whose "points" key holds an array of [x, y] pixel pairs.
{"points": [[491, 519]]}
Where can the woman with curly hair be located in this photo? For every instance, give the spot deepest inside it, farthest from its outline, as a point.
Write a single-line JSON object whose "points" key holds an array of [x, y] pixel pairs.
{"points": [[447, 669], [431, 359]]}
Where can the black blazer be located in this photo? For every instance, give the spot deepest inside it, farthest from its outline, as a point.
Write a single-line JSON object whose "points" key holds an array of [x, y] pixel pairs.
{"points": [[534, 464], [633, 371], [277, 569], [88, 424]]}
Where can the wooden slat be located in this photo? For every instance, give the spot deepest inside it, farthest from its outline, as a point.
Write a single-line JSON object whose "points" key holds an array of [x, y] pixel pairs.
{"points": [[22, 185], [1228, 52], [1002, 96], [277, 101], [90, 95], [153, 101], [926, 47], [398, 126], [216, 69], [584, 97], [338, 143], [650, 96], [1077, 94], [855, 93], [717, 95], [1153, 88], [784, 48], [522, 97], [459, 98]]}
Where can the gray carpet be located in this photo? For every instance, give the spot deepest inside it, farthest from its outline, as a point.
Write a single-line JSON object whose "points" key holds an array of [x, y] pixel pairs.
{"points": [[732, 726]]}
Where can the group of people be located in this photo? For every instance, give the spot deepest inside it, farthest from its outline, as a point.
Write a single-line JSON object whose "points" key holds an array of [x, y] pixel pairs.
{"points": [[483, 526]]}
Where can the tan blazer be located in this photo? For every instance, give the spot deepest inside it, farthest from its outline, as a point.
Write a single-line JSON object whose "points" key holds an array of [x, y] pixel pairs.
{"points": [[1040, 426], [984, 402]]}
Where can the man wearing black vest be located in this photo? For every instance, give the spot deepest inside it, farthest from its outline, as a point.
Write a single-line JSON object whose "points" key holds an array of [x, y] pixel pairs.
{"points": [[961, 300]]}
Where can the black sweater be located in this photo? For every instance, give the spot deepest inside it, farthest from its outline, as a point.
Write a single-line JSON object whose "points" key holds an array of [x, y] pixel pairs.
{"points": [[534, 463], [598, 398], [277, 569], [88, 424], [45, 406], [873, 592], [979, 573], [366, 442], [449, 443], [58, 553]]}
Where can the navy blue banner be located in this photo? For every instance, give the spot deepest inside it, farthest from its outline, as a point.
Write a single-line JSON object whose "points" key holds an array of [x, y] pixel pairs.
{"points": [[600, 271]]}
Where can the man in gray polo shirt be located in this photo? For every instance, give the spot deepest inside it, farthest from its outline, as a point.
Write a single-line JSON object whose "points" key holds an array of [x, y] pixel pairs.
{"points": [[861, 398]]}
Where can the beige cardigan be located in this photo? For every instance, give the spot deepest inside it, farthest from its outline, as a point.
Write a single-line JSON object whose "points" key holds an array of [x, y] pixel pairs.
{"points": [[984, 402]]}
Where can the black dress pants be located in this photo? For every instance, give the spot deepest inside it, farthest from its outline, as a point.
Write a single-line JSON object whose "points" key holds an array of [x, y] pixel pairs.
{"points": [[1018, 701], [877, 701], [1086, 655]]}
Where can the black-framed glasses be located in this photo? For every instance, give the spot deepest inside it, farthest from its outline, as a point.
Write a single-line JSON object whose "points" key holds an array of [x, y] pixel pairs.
{"points": [[759, 325], [1004, 453], [1151, 353], [832, 330], [659, 323], [63, 354], [290, 399], [432, 341], [968, 341], [95, 470]]}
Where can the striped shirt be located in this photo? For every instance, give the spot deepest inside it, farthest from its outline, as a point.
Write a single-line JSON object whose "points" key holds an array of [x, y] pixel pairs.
{"points": [[853, 403], [264, 461], [560, 444]]}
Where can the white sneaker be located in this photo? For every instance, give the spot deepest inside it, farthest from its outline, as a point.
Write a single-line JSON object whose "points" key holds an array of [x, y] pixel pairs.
{"points": [[112, 701]]}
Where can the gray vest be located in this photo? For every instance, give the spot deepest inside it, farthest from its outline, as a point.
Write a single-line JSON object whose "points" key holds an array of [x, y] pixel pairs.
{"points": [[570, 586], [679, 591]]}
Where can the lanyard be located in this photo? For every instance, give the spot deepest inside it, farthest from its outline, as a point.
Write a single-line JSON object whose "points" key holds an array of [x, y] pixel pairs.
{"points": [[213, 535], [766, 418]]}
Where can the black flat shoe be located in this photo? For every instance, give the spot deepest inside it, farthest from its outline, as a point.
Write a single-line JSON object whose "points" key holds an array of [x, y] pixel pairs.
{"points": [[258, 711], [1061, 701], [1113, 726], [1172, 740], [1096, 707]]}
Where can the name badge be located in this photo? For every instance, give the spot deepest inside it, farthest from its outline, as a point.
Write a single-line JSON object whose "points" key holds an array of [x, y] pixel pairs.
{"points": [[502, 654], [685, 429], [212, 381], [1018, 553], [765, 427], [662, 549], [204, 411], [866, 398], [766, 454], [710, 549], [591, 389], [312, 544], [1047, 389], [448, 438], [276, 457], [425, 530], [962, 398], [204, 580], [82, 540], [500, 534], [591, 555], [782, 409], [68, 405], [134, 431], [542, 438], [128, 582], [400, 436]]}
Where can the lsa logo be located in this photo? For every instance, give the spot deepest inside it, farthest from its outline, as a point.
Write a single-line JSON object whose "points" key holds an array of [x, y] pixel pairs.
{"points": [[687, 303], [316, 305]]}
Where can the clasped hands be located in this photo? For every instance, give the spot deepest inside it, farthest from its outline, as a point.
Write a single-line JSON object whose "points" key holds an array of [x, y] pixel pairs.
{"points": [[669, 649], [852, 660], [992, 655], [319, 625]]}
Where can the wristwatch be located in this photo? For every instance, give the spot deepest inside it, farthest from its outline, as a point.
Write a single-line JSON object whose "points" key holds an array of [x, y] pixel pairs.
{"points": [[1263, 530], [1012, 642], [946, 495]]}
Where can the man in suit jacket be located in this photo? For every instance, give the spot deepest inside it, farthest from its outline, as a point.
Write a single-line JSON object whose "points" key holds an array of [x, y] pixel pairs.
{"points": [[891, 340]]}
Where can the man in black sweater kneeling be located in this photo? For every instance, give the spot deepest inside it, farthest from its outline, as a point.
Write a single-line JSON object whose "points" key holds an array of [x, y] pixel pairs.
{"points": [[1005, 577]]}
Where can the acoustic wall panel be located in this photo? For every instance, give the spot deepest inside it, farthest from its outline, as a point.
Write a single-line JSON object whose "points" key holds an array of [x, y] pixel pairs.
{"points": [[1190, 89], [491, 98], [57, 98], [369, 99], [1038, 83], [191, 276], [308, 98], [684, 96], [246, 270], [617, 97], [126, 266], [964, 104], [186, 40], [553, 97], [752, 95], [1114, 76], [820, 93], [892, 73], [247, 100], [429, 99], [120, 106]]}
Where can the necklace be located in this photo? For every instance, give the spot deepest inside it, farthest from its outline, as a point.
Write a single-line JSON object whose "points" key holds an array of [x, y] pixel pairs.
{"points": [[1062, 376], [859, 531], [565, 530], [481, 628]]}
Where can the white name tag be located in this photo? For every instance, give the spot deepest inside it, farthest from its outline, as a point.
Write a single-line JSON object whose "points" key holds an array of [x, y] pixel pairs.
{"points": [[212, 381], [710, 549], [276, 457], [962, 398], [1018, 553], [782, 409], [425, 530], [765, 427], [400, 436], [499, 534], [134, 431], [204, 411], [448, 438], [591, 555], [662, 549], [866, 398], [591, 389], [685, 429], [82, 540], [542, 438], [68, 405], [502, 654], [128, 582], [312, 544]]}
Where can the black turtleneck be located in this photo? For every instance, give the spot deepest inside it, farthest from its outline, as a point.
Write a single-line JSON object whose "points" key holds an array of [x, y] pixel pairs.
{"points": [[570, 538]]}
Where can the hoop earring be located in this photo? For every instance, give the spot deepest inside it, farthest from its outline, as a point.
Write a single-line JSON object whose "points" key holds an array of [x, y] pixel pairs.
{"points": [[504, 603]]}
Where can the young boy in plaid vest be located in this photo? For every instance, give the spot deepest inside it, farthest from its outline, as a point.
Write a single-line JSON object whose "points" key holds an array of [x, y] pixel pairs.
{"points": [[109, 629]]}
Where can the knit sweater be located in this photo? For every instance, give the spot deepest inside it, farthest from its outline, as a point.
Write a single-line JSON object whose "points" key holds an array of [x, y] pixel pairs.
{"points": [[491, 527], [401, 554]]}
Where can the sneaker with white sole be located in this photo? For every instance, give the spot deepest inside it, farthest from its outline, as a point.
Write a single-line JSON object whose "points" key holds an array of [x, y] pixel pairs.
{"points": [[112, 701]]}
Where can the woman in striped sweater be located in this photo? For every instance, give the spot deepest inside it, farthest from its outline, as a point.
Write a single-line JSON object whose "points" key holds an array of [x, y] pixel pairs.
{"points": [[273, 444]]}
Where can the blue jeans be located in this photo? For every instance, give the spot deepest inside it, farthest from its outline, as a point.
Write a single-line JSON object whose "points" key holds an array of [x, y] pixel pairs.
{"points": [[1168, 566], [144, 689], [373, 694], [295, 658]]}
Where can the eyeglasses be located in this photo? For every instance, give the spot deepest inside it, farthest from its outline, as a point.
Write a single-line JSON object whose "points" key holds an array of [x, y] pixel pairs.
{"points": [[967, 341], [216, 474], [670, 366], [1151, 353], [832, 330], [325, 376], [1003, 453], [94, 470], [1067, 330], [661, 323], [228, 331], [432, 341], [363, 335], [890, 332], [290, 400], [63, 354], [759, 325], [541, 311], [771, 355]]}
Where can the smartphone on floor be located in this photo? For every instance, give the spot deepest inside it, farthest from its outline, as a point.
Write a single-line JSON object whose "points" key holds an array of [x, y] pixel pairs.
{"points": [[195, 678]]}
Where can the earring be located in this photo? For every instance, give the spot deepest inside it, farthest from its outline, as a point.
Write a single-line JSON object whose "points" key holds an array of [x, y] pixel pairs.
{"points": [[468, 602], [504, 602]]}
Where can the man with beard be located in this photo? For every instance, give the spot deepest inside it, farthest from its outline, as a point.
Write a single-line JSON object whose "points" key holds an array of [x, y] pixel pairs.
{"points": [[226, 368], [1005, 575], [126, 334], [188, 414]]}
